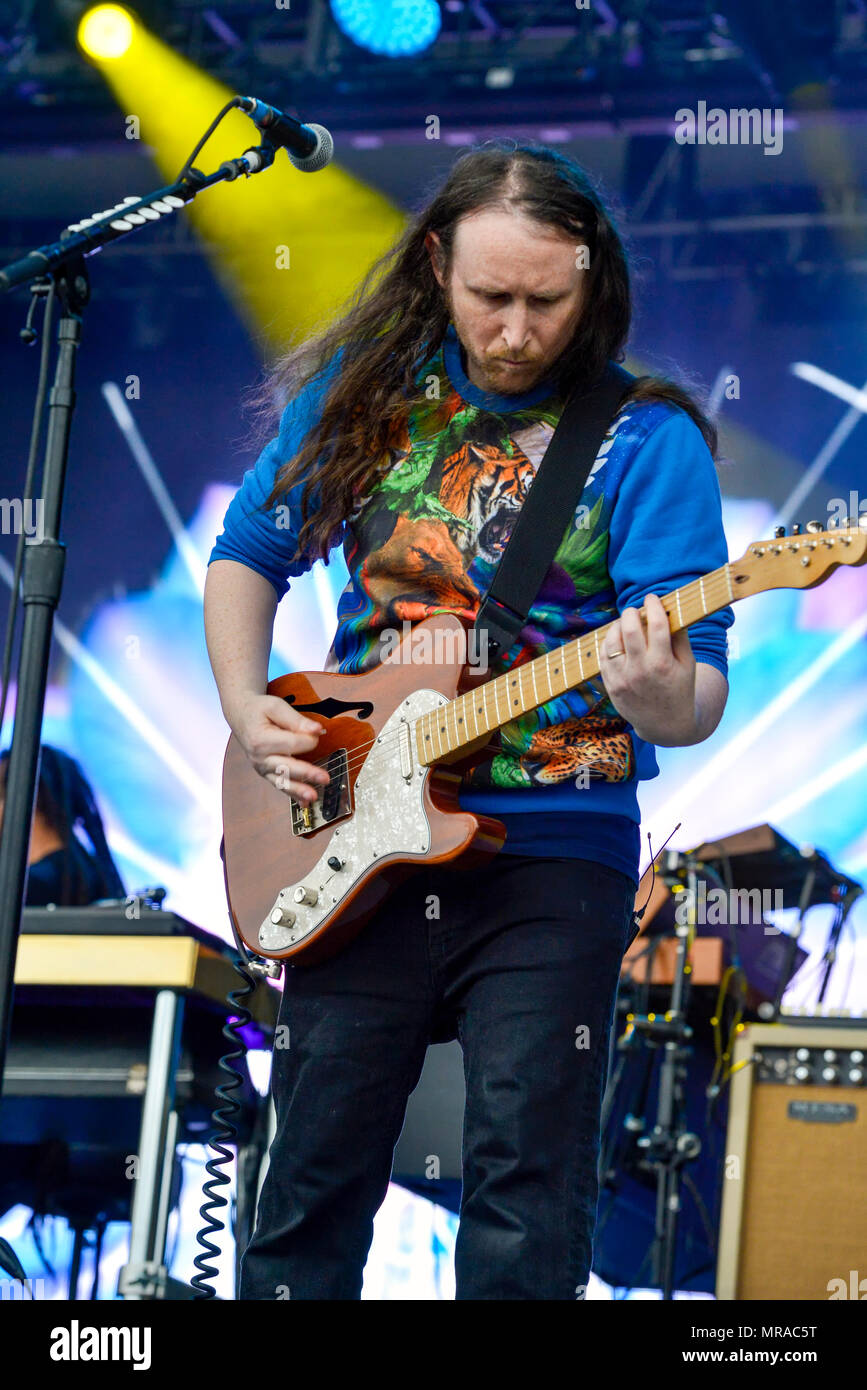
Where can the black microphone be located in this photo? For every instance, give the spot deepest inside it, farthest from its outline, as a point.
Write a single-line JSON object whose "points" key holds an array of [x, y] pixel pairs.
{"points": [[309, 147]]}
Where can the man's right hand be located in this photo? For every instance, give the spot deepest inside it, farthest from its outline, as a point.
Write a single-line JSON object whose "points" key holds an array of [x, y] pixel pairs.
{"points": [[273, 735]]}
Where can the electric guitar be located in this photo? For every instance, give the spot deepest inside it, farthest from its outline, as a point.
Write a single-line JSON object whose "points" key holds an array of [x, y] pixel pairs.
{"points": [[302, 880]]}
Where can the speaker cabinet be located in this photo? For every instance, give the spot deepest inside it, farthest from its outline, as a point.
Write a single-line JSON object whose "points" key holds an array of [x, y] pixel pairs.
{"points": [[794, 1218]]}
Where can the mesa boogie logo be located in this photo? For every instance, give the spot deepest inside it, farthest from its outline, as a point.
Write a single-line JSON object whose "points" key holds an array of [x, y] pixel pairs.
{"points": [[827, 1112]]}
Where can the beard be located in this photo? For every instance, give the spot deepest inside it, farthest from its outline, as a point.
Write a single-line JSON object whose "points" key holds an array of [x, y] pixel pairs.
{"points": [[498, 377]]}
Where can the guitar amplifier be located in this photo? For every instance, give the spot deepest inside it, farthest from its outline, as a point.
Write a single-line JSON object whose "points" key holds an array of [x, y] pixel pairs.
{"points": [[794, 1223]]}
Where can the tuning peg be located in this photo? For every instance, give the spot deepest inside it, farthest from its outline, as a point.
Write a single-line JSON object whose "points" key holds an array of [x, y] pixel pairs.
{"points": [[779, 531], [814, 526], [834, 524], [796, 529]]}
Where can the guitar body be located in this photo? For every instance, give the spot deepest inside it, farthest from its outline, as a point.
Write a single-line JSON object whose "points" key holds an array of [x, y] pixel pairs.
{"points": [[303, 880], [387, 814]]}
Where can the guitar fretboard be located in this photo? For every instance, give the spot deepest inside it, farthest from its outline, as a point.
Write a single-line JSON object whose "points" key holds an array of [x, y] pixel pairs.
{"points": [[479, 712]]}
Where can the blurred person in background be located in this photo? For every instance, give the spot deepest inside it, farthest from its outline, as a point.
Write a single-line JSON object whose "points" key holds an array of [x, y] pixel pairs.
{"points": [[62, 870]]}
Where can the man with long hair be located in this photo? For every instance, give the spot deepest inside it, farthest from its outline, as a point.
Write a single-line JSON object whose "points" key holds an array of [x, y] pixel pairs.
{"points": [[412, 433]]}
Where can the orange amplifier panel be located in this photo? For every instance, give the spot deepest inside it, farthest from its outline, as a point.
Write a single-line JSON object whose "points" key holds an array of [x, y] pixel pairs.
{"points": [[706, 956], [706, 959]]}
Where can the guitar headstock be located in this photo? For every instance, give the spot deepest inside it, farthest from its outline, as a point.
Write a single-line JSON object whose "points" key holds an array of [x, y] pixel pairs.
{"points": [[800, 560]]}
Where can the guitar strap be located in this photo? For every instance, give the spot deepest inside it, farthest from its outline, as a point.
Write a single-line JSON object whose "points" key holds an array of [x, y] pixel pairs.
{"points": [[549, 507], [548, 510]]}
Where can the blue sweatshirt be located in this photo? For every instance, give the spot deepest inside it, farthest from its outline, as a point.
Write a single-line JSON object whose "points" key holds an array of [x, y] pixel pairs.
{"points": [[427, 537]]}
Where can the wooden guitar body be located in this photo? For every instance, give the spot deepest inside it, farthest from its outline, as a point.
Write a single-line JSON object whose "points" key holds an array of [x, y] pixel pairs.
{"points": [[301, 886], [302, 880]]}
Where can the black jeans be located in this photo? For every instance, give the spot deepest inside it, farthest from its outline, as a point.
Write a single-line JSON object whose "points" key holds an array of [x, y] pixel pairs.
{"points": [[520, 961]]}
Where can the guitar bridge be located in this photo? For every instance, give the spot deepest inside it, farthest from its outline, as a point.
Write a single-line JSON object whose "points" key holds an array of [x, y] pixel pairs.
{"points": [[332, 801]]}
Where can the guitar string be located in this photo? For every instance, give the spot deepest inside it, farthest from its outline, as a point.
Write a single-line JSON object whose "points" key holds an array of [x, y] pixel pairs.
{"points": [[721, 578], [389, 745], [712, 587]]}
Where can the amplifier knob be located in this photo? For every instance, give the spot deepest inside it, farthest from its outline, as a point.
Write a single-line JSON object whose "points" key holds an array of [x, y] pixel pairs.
{"points": [[802, 1073], [303, 894], [803, 1054], [856, 1056], [856, 1076], [830, 1074], [829, 1054]]}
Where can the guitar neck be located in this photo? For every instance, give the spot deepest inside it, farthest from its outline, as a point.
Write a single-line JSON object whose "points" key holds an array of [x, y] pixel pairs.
{"points": [[479, 712]]}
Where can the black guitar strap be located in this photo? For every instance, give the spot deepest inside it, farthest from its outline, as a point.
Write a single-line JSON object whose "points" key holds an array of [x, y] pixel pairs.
{"points": [[549, 507]]}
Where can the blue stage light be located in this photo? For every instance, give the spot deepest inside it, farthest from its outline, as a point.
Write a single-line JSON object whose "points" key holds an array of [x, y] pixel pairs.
{"points": [[394, 28]]}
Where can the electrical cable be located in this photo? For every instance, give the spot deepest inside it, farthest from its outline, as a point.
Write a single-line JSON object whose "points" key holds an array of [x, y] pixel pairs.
{"points": [[221, 1115], [850, 926], [220, 116], [223, 1130]]}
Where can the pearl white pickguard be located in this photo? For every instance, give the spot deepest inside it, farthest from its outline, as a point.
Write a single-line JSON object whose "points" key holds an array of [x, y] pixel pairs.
{"points": [[388, 818]]}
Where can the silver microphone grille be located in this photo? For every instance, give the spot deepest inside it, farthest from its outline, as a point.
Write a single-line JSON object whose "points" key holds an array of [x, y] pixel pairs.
{"points": [[318, 157]]}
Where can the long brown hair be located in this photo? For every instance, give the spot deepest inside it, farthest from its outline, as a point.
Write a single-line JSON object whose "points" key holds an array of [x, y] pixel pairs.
{"points": [[64, 799], [398, 316]]}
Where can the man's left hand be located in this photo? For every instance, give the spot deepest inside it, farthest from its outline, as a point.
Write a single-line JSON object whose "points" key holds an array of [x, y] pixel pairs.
{"points": [[652, 679]]}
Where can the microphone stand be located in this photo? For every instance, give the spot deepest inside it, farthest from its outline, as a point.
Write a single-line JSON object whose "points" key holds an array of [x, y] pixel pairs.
{"points": [[793, 938], [669, 1146], [846, 901], [63, 263]]}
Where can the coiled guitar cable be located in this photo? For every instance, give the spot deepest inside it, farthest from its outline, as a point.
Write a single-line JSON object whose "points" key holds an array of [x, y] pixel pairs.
{"points": [[223, 1130]]}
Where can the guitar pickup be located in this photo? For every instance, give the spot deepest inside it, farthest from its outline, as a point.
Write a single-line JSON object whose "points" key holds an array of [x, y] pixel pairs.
{"points": [[333, 800]]}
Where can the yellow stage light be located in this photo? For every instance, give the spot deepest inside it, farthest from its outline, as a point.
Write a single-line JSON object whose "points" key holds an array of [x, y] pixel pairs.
{"points": [[288, 247], [106, 32]]}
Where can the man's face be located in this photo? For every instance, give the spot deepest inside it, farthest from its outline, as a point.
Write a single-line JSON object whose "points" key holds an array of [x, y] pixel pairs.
{"points": [[515, 293]]}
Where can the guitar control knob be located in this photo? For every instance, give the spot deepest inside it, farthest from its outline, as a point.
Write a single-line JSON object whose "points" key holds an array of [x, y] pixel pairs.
{"points": [[334, 863], [303, 894], [282, 917]]}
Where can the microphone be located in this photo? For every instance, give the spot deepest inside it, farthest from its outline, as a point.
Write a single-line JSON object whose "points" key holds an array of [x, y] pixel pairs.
{"points": [[309, 147]]}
